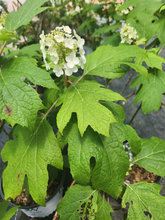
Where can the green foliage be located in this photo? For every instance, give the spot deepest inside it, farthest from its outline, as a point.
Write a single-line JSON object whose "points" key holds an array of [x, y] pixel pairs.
{"points": [[20, 103], [151, 157], [79, 202], [144, 197], [29, 154], [103, 209], [23, 16], [151, 91], [6, 215], [87, 107], [6, 36]]}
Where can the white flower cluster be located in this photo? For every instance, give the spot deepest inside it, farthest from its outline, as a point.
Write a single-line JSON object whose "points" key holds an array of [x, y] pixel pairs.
{"points": [[70, 10], [128, 34], [88, 1], [125, 11], [52, 2], [60, 49], [2, 20]]}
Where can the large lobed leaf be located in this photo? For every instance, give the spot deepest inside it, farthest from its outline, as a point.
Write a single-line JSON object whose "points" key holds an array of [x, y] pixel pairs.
{"points": [[151, 92], [96, 159], [144, 197], [79, 202], [24, 15], [19, 103], [29, 154], [152, 156], [6, 215], [83, 98], [105, 59]]}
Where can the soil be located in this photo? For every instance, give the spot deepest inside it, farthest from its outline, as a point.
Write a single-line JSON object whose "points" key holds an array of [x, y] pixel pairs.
{"points": [[23, 200], [138, 174]]}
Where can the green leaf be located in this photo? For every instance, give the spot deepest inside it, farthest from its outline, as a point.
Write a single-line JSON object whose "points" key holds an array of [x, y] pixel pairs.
{"points": [[83, 98], [107, 28], [79, 202], [152, 156], [124, 132], [111, 161], [113, 40], [29, 154], [141, 6], [30, 51], [144, 197], [6, 36], [19, 103], [100, 61], [50, 96], [24, 15], [162, 8], [103, 210], [6, 215], [160, 31], [151, 91]]}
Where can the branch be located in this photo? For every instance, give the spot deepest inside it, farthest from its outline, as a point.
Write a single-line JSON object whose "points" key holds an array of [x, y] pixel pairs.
{"points": [[2, 123], [129, 79], [3, 47], [108, 86], [135, 114], [162, 103], [130, 94], [56, 214]]}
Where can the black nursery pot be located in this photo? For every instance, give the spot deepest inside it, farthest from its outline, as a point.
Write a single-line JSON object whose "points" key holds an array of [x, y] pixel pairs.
{"points": [[37, 210]]}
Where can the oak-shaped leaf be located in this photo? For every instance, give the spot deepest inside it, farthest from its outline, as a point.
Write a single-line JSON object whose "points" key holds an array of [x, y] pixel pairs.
{"points": [[6, 215], [103, 209], [19, 103], [79, 202], [152, 156], [151, 91], [97, 160], [83, 98], [29, 154], [24, 14], [144, 198]]}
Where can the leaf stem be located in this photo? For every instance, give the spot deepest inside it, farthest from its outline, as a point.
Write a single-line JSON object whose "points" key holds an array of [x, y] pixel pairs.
{"points": [[3, 47], [129, 79], [135, 114], [108, 86]]}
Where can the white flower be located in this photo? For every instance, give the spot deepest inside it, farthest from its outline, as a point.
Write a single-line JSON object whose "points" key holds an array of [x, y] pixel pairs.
{"points": [[1, 27], [72, 60], [67, 29], [82, 61], [70, 4], [52, 51], [59, 38], [69, 43], [88, 1], [53, 2], [55, 59], [69, 71], [80, 42], [128, 34], [78, 9], [49, 42], [58, 71]]}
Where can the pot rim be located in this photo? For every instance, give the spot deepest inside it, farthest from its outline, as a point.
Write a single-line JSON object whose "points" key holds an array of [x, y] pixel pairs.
{"points": [[35, 205]]}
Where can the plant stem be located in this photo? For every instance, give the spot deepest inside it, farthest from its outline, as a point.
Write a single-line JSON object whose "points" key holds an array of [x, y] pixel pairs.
{"points": [[3, 47], [130, 94], [108, 86], [162, 103], [56, 214], [2, 123], [135, 114], [129, 79], [67, 80]]}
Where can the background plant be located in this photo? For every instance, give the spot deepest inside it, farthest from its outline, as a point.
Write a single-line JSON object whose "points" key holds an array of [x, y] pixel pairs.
{"points": [[85, 114]]}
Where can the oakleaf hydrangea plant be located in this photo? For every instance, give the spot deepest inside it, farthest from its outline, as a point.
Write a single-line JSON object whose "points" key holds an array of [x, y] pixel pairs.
{"points": [[61, 116]]}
